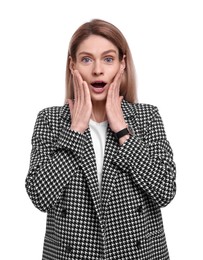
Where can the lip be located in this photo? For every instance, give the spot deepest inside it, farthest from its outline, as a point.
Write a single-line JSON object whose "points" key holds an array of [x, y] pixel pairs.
{"points": [[98, 86]]}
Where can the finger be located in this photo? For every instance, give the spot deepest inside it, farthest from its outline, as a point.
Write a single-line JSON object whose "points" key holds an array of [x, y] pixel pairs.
{"points": [[70, 103], [75, 85], [86, 91], [78, 76], [119, 75], [121, 99], [117, 82], [80, 87]]}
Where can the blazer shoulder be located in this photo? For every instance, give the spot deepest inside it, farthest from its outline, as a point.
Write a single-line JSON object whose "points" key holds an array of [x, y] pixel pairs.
{"points": [[146, 112], [51, 111], [54, 112], [52, 117], [145, 108], [142, 113], [142, 110]]}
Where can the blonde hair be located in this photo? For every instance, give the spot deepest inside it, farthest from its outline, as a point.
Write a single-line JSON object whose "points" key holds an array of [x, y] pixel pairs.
{"points": [[113, 34]]}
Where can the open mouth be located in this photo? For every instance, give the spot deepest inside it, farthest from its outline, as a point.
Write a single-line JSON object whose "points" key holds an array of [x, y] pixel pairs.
{"points": [[98, 84]]}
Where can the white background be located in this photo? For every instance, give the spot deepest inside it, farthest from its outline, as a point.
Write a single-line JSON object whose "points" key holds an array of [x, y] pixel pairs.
{"points": [[166, 39]]}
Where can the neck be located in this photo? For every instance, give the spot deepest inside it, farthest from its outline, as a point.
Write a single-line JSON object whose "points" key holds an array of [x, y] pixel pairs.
{"points": [[98, 112]]}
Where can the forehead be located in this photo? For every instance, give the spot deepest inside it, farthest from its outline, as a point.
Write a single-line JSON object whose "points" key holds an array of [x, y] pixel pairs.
{"points": [[96, 44]]}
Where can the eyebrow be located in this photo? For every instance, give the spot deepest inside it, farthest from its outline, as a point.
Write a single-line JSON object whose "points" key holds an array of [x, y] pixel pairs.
{"points": [[104, 53]]}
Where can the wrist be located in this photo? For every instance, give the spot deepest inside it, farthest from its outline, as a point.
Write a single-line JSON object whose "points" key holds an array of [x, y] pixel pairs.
{"points": [[123, 139], [124, 134], [78, 128], [118, 128]]}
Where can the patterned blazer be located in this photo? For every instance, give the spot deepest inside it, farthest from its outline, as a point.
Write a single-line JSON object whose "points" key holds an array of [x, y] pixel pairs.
{"points": [[124, 221]]}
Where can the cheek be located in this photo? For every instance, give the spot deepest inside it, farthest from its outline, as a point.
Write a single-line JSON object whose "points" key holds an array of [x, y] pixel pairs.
{"points": [[113, 72], [83, 70]]}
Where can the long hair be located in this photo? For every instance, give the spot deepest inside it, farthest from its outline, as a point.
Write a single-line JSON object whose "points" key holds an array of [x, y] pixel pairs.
{"points": [[110, 32]]}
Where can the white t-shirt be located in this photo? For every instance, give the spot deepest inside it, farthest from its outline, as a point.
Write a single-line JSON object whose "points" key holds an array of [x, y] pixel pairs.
{"points": [[98, 133]]}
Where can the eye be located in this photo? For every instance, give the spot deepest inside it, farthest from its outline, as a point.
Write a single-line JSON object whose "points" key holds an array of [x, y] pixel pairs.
{"points": [[86, 59], [108, 59]]}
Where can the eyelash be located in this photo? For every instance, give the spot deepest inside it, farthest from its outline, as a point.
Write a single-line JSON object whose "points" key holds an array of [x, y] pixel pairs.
{"points": [[87, 59], [112, 59]]}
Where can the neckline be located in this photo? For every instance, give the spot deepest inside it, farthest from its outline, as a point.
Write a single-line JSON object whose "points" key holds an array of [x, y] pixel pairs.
{"points": [[103, 123]]}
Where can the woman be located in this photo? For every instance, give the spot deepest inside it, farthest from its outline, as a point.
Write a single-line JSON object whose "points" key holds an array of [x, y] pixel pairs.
{"points": [[101, 166]]}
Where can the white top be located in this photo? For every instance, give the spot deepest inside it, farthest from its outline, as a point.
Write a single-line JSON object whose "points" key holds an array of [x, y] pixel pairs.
{"points": [[98, 133]]}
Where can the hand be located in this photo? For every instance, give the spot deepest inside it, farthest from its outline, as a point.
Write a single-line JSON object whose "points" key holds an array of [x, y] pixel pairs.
{"points": [[81, 107], [113, 105]]}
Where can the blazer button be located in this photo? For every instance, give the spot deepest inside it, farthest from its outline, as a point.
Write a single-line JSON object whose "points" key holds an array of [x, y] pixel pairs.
{"points": [[138, 244], [63, 213], [69, 249], [139, 209]]}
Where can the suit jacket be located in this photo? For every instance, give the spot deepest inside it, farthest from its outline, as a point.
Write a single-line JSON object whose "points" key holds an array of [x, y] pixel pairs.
{"points": [[124, 221]]}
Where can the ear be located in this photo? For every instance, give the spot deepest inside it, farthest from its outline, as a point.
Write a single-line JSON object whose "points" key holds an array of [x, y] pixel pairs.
{"points": [[71, 64], [123, 62]]}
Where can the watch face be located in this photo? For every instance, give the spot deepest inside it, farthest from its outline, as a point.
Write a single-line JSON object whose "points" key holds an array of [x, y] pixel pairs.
{"points": [[131, 131]]}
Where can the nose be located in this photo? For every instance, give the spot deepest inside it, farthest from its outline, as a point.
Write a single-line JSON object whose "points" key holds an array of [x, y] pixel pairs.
{"points": [[97, 68]]}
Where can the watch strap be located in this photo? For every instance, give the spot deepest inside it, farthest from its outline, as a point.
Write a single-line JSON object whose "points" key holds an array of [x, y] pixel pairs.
{"points": [[121, 133]]}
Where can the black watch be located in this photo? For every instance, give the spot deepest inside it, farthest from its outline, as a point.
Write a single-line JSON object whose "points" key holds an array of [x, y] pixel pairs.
{"points": [[126, 131], [122, 133]]}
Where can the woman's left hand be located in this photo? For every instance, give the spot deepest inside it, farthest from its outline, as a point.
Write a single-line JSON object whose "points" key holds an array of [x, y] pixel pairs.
{"points": [[113, 105]]}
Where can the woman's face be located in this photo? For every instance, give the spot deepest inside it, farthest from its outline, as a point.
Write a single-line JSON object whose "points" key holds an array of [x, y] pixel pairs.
{"points": [[97, 60]]}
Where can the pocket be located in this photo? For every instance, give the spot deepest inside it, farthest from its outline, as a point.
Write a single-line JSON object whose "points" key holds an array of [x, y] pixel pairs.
{"points": [[156, 245], [55, 250], [155, 233], [50, 249]]}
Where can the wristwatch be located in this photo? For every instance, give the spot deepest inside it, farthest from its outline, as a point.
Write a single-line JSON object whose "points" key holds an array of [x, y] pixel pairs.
{"points": [[126, 131]]}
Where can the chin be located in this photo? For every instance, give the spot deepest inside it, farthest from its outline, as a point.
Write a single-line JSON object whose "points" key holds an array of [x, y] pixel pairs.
{"points": [[98, 98]]}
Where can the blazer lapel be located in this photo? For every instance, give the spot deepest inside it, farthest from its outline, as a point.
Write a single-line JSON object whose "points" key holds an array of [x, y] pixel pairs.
{"points": [[109, 173], [88, 164]]}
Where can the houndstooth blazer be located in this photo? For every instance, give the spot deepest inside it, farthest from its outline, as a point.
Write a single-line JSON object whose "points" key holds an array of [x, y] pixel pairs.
{"points": [[124, 221]]}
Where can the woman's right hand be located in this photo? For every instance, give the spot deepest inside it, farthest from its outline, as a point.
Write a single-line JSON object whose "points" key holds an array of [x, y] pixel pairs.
{"points": [[81, 106]]}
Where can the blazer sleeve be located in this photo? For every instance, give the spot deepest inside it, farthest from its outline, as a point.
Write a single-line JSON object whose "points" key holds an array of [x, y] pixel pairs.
{"points": [[150, 160], [53, 161]]}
